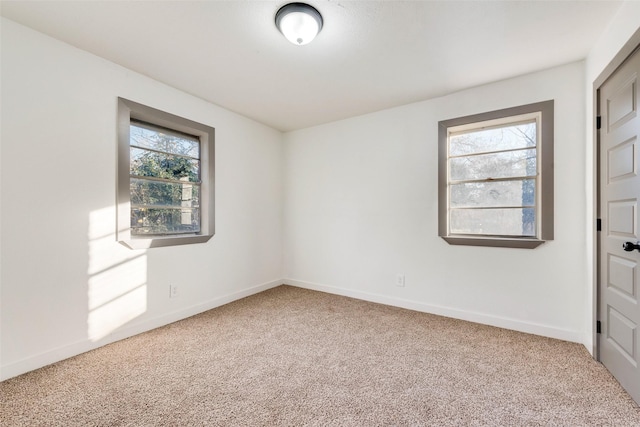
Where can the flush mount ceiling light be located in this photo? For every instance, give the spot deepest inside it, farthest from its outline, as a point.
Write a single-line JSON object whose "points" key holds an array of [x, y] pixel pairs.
{"points": [[299, 22]]}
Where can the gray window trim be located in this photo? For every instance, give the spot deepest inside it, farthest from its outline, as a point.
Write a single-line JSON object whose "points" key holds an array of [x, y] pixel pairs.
{"points": [[546, 108], [129, 110]]}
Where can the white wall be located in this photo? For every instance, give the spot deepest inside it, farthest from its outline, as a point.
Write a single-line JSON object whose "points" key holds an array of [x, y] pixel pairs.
{"points": [[609, 45], [67, 286], [361, 206]]}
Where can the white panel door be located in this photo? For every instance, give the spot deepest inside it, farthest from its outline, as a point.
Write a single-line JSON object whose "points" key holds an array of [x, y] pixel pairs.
{"points": [[619, 308]]}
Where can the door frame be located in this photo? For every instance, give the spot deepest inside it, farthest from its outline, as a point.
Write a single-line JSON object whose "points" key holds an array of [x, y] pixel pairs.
{"points": [[625, 52]]}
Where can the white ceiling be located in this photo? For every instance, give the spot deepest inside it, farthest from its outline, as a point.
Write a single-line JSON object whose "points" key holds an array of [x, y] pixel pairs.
{"points": [[370, 55]]}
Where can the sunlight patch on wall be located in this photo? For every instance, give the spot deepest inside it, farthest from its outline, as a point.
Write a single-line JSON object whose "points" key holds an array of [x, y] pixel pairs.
{"points": [[117, 287], [104, 252]]}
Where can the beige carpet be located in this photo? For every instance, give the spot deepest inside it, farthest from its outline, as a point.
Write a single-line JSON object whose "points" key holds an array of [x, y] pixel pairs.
{"points": [[295, 357]]}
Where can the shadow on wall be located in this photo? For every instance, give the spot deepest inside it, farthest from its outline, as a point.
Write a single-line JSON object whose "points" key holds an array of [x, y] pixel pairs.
{"points": [[117, 287]]}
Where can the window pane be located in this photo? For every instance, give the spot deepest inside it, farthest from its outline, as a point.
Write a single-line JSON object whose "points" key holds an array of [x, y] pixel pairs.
{"points": [[145, 192], [508, 137], [493, 194], [164, 221], [505, 222], [497, 165], [167, 166], [167, 142]]}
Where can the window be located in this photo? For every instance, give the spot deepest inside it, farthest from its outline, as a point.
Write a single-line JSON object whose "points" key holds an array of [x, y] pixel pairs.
{"points": [[496, 177], [165, 178]]}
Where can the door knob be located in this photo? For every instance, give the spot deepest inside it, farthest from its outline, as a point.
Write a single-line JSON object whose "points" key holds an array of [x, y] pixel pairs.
{"points": [[628, 246]]}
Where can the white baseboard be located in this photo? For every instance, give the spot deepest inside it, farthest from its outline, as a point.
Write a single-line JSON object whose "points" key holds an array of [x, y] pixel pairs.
{"points": [[73, 349], [485, 319], [69, 350]]}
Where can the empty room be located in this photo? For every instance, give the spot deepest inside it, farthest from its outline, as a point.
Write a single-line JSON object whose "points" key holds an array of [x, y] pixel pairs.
{"points": [[345, 213]]}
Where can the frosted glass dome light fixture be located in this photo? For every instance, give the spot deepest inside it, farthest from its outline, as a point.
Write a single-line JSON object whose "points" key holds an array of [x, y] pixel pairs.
{"points": [[299, 22]]}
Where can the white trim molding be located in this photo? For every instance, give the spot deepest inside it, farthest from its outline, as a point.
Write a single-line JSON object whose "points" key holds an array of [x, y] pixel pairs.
{"points": [[69, 350], [485, 319]]}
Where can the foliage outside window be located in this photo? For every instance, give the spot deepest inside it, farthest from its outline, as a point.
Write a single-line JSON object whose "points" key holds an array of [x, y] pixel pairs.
{"points": [[164, 181], [496, 177], [165, 178]]}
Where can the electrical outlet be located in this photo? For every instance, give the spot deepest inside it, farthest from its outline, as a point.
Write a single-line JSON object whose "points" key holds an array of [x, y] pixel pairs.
{"points": [[400, 280], [173, 291]]}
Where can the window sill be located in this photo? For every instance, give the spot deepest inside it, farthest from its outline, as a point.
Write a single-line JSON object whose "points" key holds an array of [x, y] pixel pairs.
{"points": [[498, 242], [158, 242]]}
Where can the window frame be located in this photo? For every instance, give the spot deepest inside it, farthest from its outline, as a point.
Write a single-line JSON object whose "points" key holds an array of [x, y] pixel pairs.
{"points": [[129, 111], [544, 197]]}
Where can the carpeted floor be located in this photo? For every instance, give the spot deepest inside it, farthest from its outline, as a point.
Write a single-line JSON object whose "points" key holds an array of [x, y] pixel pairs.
{"points": [[292, 357]]}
